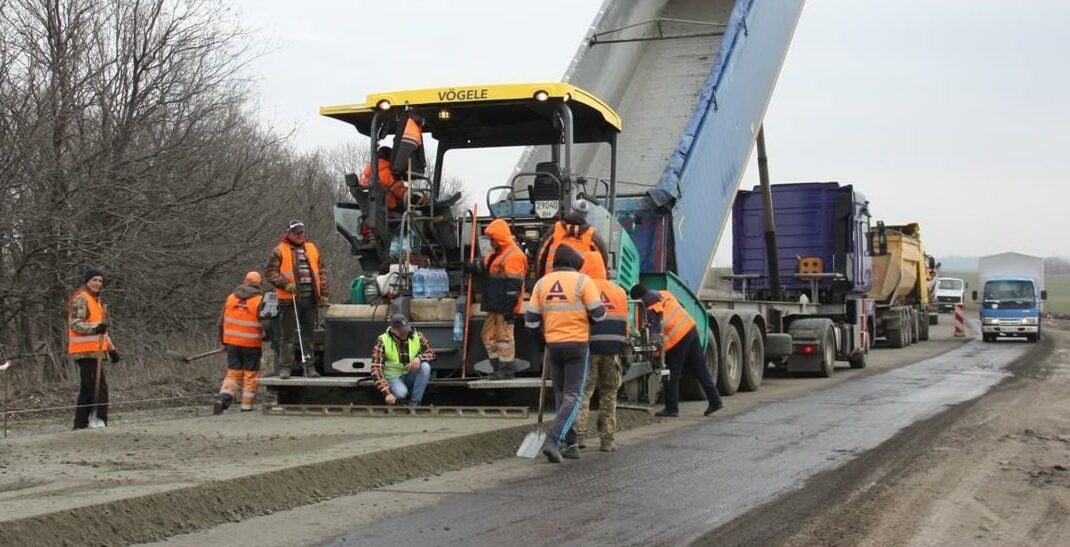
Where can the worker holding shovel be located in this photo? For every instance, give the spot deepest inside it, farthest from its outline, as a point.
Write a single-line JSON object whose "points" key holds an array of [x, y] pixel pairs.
{"points": [[299, 278], [88, 344], [563, 304]]}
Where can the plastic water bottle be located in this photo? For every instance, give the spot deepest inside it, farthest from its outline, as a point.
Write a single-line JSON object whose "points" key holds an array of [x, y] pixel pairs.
{"points": [[443, 288], [458, 321], [395, 247], [419, 284]]}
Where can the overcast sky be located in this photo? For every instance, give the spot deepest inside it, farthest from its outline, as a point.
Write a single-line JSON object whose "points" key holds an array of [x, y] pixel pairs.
{"points": [[951, 113]]}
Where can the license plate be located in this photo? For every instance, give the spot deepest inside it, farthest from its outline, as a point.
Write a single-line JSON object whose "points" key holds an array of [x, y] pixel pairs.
{"points": [[547, 209]]}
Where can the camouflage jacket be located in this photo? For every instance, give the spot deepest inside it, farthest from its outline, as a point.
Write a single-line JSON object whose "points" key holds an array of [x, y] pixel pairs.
{"points": [[78, 324]]}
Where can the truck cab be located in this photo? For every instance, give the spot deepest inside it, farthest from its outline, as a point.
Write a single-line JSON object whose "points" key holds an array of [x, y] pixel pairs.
{"points": [[1011, 306], [949, 292]]}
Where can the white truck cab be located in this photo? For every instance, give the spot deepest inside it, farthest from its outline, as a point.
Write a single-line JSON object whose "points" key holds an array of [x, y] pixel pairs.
{"points": [[950, 291]]}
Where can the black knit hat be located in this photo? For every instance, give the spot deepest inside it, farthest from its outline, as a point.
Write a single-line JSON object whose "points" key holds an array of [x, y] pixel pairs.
{"points": [[92, 272], [565, 257]]}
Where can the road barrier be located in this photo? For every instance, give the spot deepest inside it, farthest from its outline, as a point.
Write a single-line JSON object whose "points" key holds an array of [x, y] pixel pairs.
{"points": [[960, 320]]}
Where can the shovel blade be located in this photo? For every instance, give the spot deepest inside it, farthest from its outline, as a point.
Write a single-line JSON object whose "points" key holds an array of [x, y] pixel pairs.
{"points": [[532, 444]]}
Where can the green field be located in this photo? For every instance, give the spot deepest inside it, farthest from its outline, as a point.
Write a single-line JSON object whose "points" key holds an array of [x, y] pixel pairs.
{"points": [[1057, 285]]}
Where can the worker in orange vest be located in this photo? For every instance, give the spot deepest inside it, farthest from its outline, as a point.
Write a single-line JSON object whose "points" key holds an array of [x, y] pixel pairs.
{"points": [[682, 346], [503, 293], [609, 338], [298, 274], [572, 230], [562, 306], [88, 342], [242, 333], [394, 186]]}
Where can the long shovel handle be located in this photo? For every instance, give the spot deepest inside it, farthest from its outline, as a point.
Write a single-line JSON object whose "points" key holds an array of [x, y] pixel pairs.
{"points": [[100, 369], [542, 381], [468, 296]]}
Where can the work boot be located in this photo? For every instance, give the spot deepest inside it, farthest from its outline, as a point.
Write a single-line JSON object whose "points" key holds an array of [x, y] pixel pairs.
{"points": [[713, 407], [665, 413], [222, 402], [310, 372], [496, 368], [248, 409], [551, 452], [608, 445], [507, 372], [284, 373], [571, 452]]}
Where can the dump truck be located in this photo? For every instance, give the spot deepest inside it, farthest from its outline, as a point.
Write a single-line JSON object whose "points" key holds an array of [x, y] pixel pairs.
{"points": [[901, 280]]}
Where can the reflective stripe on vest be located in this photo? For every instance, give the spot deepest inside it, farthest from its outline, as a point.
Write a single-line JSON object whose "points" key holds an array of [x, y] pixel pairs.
{"points": [[609, 335], [675, 321], [497, 266], [559, 298], [286, 267], [240, 323], [392, 365], [86, 343]]}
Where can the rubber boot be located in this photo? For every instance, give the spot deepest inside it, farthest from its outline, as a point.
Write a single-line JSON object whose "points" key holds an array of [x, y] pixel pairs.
{"points": [[496, 366], [507, 372], [222, 402]]}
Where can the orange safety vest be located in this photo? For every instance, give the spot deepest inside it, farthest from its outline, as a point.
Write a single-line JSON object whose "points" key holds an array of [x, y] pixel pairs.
{"points": [[287, 266], [86, 343], [507, 269], [609, 335], [241, 324], [563, 300], [395, 189], [675, 321], [593, 264]]}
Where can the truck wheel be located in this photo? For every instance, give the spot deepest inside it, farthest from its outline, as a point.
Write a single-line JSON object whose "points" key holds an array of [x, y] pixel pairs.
{"points": [[754, 361], [988, 338], [690, 390], [915, 327], [895, 338], [777, 345], [828, 352], [858, 359], [923, 334], [1031, 338], [731, 369]]}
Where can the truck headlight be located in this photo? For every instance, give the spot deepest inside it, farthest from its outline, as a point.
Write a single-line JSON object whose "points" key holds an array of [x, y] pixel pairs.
{"points": [[991, 321], [1029, 321]]}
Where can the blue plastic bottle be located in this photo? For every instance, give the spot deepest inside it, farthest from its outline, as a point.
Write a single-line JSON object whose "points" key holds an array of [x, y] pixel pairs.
{"points": [[458, 321], [419, 284]]}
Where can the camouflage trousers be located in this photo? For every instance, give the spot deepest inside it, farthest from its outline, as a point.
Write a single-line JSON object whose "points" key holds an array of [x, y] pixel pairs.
{"points": [[604, 374]]}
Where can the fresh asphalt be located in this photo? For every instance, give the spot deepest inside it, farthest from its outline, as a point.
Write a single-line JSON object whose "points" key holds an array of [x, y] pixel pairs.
{"points": [[677, 488]]}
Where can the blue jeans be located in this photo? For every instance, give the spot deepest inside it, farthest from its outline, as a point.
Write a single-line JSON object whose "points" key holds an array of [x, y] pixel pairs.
{"points": [[414, 381]]}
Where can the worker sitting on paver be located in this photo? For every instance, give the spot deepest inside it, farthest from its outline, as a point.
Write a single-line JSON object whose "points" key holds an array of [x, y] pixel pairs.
{"points": [[682, 347], [608, 339], [394, 186], [242, 333], [400, 362], [573, 231], [563, 304], [502, 296]]}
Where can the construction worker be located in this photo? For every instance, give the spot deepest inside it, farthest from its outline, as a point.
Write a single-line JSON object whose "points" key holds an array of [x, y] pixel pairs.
{"points": [[395, 187], [563, 304], [400, 362], [682, 346], [502, 296], [608, 340], [300, 281], [88, 342], [572, 230], [242, 334]]}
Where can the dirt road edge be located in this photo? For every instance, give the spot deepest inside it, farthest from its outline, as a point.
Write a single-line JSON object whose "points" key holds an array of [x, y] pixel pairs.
{"points": [[849, 485]]}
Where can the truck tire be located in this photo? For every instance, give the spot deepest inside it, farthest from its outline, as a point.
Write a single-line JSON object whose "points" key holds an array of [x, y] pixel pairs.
{"points": [[1032, 338], [753, 361], [858, 360], [690, 390], [912, 318], [988, 337], [895, 338], [923, 334], [822, 331], [731, 370]]}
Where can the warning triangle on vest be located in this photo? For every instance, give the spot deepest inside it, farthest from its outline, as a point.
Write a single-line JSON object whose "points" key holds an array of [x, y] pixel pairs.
{"points": [[557, 288], [605, 299]]}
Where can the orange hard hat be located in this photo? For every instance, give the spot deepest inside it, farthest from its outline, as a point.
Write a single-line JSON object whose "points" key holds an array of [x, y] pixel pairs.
{"points": [[253, 277]]}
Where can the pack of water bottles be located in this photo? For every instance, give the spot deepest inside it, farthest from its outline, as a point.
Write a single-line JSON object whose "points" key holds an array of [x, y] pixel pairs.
{"points": [[430, 283]]}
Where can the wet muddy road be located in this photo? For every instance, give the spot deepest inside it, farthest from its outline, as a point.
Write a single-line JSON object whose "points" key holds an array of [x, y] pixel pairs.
{"points": [[679, 487]]}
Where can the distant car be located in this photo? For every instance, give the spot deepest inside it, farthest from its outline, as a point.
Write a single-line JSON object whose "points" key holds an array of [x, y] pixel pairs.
{"points": [[950, 291]]}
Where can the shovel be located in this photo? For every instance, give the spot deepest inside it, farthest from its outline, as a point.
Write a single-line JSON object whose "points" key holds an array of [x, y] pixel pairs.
{"points": [[94, 421], [533, 441]]}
